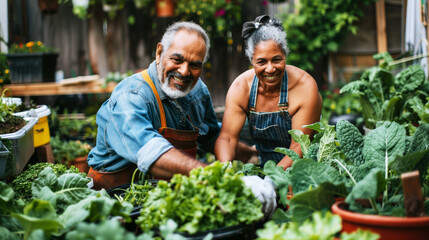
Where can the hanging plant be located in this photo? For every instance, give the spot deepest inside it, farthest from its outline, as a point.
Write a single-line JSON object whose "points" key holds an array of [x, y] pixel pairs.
{"points": [[218, 18]]}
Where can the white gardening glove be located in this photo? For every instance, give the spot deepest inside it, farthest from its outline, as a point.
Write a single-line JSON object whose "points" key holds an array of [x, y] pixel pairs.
{"points": [[263, 189]]}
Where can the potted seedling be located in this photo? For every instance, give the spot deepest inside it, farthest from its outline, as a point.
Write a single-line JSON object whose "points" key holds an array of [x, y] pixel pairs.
{"points": [[17, 129], [71, 152]]}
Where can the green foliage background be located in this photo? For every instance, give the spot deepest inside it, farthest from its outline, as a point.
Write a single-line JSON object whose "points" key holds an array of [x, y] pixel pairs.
{"points": [[318, 27]]}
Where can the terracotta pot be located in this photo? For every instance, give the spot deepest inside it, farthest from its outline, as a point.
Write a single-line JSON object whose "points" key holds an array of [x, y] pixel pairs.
{"points": [[48, 6], [410, 228], [81, 163], [165, 8]]}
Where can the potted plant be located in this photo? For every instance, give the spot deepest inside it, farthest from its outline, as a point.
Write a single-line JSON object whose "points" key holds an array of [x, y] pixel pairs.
{"points": [[4, 70], [218, 18], [32, 62], [341, 163], [383, 96], [19, 131], [21, 184], [322, 225], [4, 154], [341, 106], [211, 199], [48, 6], [72, 152], [165, 8]]}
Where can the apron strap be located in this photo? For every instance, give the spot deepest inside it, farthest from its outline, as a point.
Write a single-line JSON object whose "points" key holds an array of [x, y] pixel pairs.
{"points": [[147, 78]]}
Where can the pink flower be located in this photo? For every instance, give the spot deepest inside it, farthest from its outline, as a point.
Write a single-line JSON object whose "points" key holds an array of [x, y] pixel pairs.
{"points": [[264, 3], [220, 12]]}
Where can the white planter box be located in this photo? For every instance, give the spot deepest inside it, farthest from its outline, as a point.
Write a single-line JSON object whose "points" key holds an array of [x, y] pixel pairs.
{"points": [[23, 147]]}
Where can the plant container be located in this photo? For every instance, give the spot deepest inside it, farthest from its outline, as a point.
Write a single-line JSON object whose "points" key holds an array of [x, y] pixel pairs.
{"points": [[48, 6], [22, 145], [165, 8], [4, 153], [32, 67], [391, 228], [81, 163], [41, 133]]}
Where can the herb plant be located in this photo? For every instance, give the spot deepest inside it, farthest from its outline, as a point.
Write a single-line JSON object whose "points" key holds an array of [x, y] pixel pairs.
{"points": [[8, 122], [136, 193], [21, 185]]}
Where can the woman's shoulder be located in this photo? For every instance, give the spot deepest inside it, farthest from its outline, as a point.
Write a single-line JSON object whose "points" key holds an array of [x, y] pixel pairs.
{"points": [[299, 77], [245, 79]]}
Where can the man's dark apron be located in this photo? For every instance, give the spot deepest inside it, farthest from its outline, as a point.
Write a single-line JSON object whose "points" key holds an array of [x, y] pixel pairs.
{"points": [[185, 140]]}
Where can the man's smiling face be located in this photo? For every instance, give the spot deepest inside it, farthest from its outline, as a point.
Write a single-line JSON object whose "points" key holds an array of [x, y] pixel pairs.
{"points": [[180, 66]]}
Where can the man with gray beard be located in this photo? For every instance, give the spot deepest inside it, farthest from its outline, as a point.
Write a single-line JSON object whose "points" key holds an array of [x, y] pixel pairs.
{"points": [[154, 120]]}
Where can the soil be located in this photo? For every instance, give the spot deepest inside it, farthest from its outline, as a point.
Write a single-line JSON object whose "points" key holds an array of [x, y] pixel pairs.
{"points": [[12, 125]]}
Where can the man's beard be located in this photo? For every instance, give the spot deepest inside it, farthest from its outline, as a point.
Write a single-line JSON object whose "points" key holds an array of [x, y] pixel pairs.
{"points": [[165, 86]]}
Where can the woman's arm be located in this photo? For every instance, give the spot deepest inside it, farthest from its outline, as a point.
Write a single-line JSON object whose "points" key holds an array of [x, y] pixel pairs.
{"points": [[305, 107], [233, 119]]}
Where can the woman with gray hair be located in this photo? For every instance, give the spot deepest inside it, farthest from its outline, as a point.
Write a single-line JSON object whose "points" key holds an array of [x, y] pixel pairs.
{"points": [[275, 97]]}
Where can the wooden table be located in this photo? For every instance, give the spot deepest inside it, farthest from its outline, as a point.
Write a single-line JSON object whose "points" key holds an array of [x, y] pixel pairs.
{"points": [[78, 85]]}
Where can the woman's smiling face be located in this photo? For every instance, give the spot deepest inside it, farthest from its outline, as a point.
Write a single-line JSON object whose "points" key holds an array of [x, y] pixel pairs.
{"points": [[269, 62], [180, 66]]}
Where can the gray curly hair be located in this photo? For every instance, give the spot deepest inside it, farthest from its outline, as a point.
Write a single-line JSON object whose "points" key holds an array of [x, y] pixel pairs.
{"points": [[272, 30], [167, 38]]}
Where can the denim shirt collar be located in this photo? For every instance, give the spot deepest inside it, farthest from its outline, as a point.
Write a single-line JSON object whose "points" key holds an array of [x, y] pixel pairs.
{"points": [[152, 70]]}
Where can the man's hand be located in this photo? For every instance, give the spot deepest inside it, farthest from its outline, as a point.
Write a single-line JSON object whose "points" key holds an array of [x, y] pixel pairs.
{"points": [[263, 189]]}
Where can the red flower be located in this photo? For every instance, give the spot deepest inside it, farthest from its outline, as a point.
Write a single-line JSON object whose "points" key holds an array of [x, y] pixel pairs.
{"points": [[21, 45], [264, 3], [220, 12]]}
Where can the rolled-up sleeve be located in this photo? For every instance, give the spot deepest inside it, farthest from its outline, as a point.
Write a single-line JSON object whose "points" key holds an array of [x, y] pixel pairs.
{"points": [[132, 134]]}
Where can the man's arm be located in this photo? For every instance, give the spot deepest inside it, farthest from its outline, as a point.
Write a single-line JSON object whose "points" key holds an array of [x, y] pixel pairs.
{"points": [[173, 161]]}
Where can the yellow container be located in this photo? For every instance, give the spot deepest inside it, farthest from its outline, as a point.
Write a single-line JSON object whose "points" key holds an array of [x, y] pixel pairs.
{"points": [[41, 132], [41, 129]]}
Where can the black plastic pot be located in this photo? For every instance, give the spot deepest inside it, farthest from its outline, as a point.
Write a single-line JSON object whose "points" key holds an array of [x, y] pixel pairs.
{"points": [[239, 232], [352, 118]]}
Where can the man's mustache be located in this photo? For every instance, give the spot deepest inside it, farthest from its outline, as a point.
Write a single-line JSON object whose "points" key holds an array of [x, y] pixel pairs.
{"points": [[188, 78]]}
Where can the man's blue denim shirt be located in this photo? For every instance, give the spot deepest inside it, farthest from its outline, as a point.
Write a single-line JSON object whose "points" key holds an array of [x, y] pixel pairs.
{"points": [[129, 120]]}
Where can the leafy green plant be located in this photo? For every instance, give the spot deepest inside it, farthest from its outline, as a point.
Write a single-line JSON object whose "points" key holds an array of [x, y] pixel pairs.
{"points": [[72, 126], [21, 185], [4, 70], [8, 122], [218, 18], [320, 226], [318, 27], [136, 193], [207, 199], [65, 152], [384, 97], [59, 204], [84, 9], [342, 162]]}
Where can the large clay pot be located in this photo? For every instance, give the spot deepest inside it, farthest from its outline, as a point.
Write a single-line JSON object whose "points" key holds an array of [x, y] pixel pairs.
{"points": [[389, 228], [165, 8], [48, 6], [81, 163]]}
